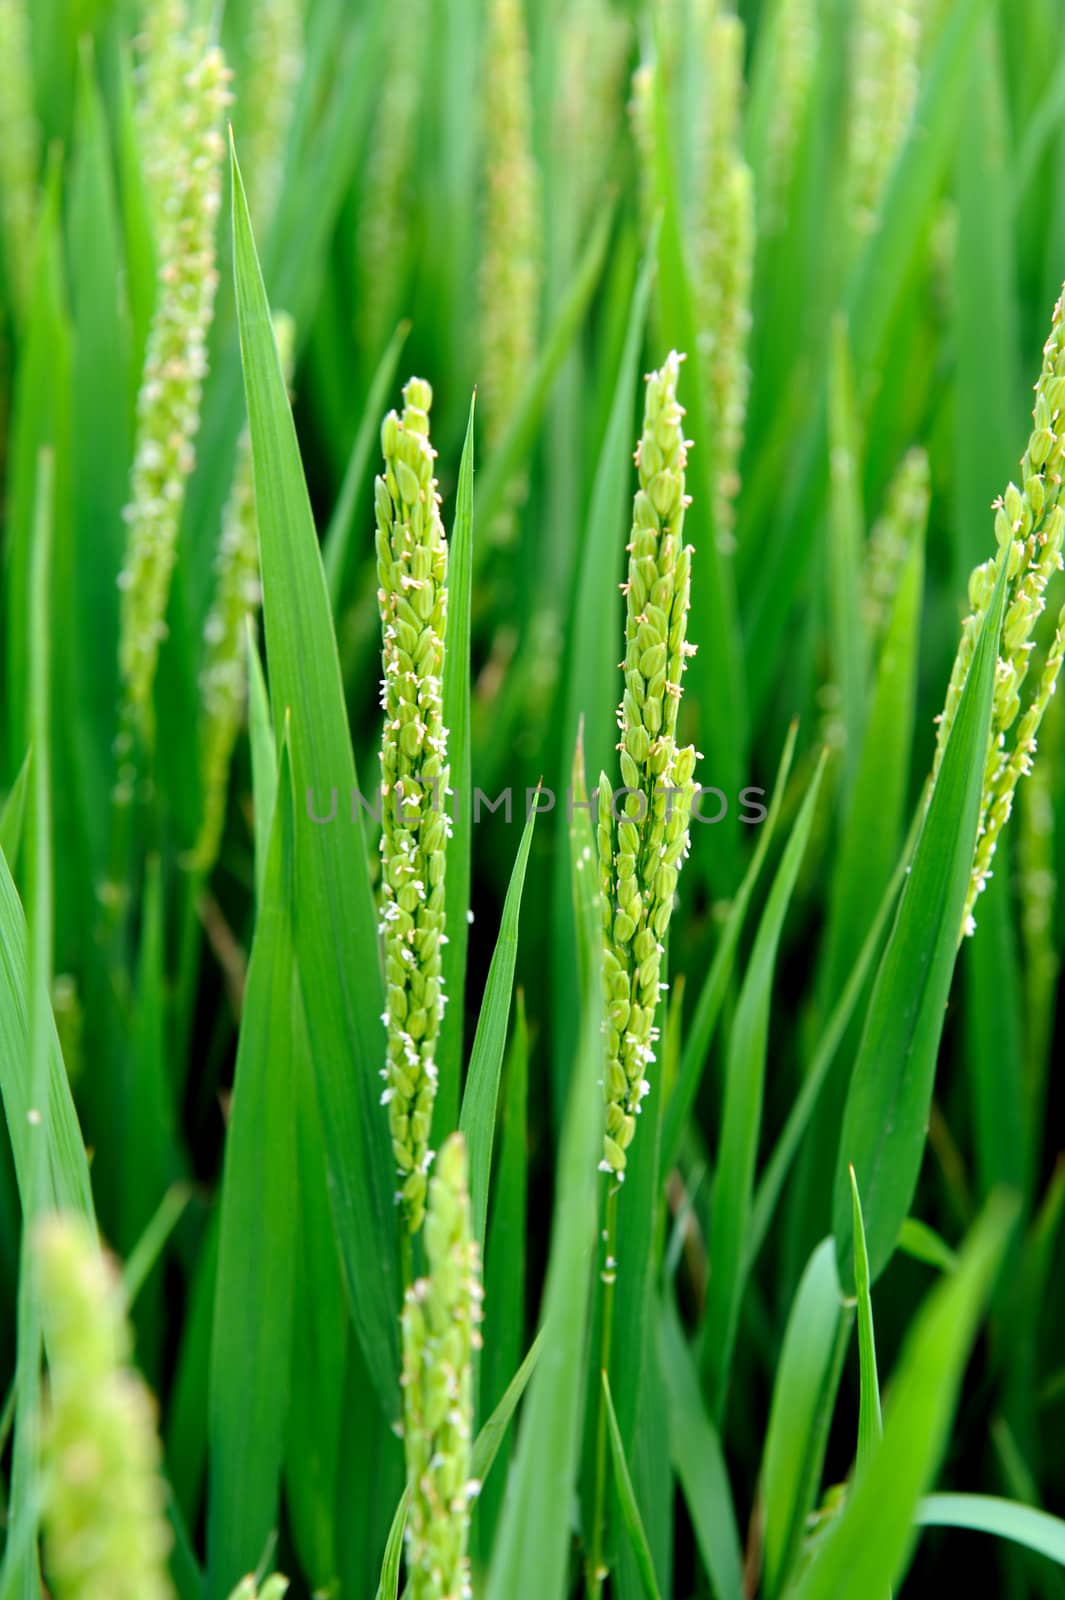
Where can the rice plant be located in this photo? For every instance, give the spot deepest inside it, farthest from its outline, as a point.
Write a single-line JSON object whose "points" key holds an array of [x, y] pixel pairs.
{"points": [[531, 800]]}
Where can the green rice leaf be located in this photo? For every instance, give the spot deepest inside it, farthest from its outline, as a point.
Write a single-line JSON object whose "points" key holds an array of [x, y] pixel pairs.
{"points": [[320, 1339], [870, 1423], [263, 757], [491, 1435], [505, 1271], [872, 300], [67, 1166], [388, 1588], [804, 1105], [742, 1114], [529, 1562], [250, 1343], [695, 1449], [339, 535], [1003, 1519], [630, 1511], [804, 1397], [478, 1117], [869, 1546], [25, 1486], [335, 924], [922, 1243], [886, 1113], [13, 812], [712, 993]]}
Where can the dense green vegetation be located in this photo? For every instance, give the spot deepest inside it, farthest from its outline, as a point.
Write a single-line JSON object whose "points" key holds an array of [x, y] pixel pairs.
{"points": [[725, 992]]}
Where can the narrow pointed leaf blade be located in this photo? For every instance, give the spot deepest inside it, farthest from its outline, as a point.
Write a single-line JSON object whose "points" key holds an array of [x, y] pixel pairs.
{"points": [[478, 1117], [334, 924], [886, 1114]]}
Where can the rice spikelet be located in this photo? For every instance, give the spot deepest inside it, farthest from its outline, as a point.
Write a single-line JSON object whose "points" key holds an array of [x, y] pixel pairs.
{"points": [[642, 846], [1029, 530], [223, 678], [19, 148], [105, 1528], [441, 1317], [412, 596], [511, 266], [185, 92]]}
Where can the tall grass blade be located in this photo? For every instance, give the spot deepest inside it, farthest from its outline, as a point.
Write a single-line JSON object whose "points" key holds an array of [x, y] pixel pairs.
{"points": [[804, 1397], [13, 812], [630, 1511], [742, 1114], [478, 1117], [712, 993], [338, 539], [868, 1548], [870, 1422], [253, 1312], [699, 1462], [1003, 1519], [335, 925], [886, 1113], [529, 1562]]}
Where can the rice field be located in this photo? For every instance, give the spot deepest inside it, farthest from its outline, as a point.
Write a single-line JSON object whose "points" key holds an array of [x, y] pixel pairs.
{"points": [[531, 799]]}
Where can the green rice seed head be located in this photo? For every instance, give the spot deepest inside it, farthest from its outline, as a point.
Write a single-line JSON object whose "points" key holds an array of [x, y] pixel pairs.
{"points": [[643, 835], [1029, 531], [794, 55], [593, 59], [105, 1529], [725, 240], [223, 676], [894, 532], [884, 90], [441, 1317], [275, 1588], [19, 148], [273, 64], [187, 84], [511, 265], [412, 595], [386, 200], [642, 122]]}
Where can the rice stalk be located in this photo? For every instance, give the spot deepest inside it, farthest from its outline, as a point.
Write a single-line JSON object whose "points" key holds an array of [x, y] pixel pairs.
{"points": [[412, 598], [1029, 531], [19, 148], [105, 1528], [441, 1317]]}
